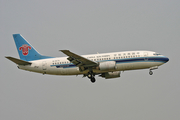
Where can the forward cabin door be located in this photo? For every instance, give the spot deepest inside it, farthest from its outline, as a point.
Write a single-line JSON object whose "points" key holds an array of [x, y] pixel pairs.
{"points": [[145, 56]]}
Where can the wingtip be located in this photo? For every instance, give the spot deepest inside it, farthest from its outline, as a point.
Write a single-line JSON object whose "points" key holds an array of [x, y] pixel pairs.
{"points": [[7, 57], [63, 50]]}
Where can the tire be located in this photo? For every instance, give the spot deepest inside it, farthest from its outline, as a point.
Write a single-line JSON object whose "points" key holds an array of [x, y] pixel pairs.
{"points": [[150, 72], [93, 80]]}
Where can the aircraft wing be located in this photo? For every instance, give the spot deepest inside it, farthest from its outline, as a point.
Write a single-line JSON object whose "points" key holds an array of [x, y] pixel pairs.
{"points": [[79, 60]]}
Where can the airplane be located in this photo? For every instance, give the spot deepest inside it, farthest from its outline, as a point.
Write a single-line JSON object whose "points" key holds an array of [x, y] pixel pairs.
{"points": [[106, 65]]}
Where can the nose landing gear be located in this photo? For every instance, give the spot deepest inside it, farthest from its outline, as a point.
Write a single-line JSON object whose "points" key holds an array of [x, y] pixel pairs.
{"points": [[152, 68], [150, 72]]}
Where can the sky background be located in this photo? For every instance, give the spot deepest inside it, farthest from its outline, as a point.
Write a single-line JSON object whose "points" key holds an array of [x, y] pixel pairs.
{"points": [[88, 27]]}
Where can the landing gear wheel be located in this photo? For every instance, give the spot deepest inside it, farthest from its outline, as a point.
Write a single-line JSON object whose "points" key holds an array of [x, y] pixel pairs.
{"points": [[91, 77], [93, 80], [150, 72]]}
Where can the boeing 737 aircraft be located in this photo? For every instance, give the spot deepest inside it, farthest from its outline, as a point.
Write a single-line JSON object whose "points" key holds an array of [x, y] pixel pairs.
{"points": [[106, 65]]}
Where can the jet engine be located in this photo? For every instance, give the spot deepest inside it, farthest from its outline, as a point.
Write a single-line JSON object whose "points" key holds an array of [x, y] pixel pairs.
{"points": [[109, 75], [105, 66]]}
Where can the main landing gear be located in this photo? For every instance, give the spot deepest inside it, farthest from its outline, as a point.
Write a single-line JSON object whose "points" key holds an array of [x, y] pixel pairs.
{"points": [[91, 76]]}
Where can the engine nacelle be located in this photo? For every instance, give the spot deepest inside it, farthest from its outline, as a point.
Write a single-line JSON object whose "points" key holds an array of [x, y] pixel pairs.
{"points": [[109, 75], [109, 65]]}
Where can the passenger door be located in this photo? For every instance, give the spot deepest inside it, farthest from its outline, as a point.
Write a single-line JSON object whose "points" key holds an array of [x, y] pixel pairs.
{"points": [[145, 56]]}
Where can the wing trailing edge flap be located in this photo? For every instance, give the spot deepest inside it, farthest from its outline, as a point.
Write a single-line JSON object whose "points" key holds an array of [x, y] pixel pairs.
{"points": [[19, 61], [79, 60]]}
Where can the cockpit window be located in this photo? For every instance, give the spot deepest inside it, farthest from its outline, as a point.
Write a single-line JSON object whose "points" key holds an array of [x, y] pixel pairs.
{"points": [[156, 54]]}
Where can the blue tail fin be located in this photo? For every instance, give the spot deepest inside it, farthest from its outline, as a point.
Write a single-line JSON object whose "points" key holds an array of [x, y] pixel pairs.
{"points": [[26, 50]]}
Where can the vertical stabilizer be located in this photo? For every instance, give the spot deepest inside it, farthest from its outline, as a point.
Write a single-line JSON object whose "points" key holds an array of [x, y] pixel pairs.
{"points": [[26, 51]]}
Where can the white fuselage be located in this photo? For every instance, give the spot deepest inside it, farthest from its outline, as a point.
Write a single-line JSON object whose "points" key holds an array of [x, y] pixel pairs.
{"points": [[128, 60]]}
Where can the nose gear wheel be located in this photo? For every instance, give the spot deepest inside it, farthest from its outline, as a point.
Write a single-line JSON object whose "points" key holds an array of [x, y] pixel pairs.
{"points": [[150, 72]]}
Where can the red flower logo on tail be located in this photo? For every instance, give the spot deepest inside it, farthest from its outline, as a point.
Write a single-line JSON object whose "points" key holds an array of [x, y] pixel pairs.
{"points": [[25, 49]]}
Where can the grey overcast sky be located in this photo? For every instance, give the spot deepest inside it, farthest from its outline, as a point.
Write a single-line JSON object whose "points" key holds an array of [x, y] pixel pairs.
{"points": [[88, 27]]}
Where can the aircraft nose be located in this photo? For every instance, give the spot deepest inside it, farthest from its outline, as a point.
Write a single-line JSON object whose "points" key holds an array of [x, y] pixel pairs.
{"points": [[166, 59]]}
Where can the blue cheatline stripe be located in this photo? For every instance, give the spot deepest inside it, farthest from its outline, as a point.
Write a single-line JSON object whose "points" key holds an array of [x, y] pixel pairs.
{"points": [[142, 59], [64, 65], [124, 60]]}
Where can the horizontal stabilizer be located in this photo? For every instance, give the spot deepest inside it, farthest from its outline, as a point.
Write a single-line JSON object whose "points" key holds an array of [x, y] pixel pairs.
{"points": [[18, 61]]}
